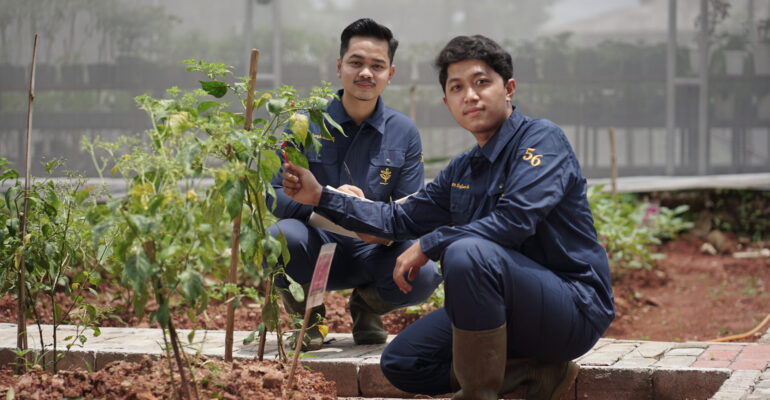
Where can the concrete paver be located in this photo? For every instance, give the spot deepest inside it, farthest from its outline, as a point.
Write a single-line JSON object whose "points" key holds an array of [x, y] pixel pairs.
{"points": [[613, 369]]}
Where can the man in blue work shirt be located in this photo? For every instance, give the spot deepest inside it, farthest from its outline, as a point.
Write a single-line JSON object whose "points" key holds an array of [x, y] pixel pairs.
{"points": [[381, 153], [527, 284]]}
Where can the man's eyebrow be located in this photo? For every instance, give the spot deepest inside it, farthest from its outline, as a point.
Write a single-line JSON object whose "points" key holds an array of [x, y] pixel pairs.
{"points": [[475, 74], [360, 57]]}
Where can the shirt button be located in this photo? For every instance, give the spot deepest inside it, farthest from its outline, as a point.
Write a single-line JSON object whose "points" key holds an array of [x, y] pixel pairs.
{"points": [[387, 160]]}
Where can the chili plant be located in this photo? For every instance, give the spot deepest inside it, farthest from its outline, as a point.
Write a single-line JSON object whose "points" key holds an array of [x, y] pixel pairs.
{"points": [[61, 259], [193, 173], [629, 229]]}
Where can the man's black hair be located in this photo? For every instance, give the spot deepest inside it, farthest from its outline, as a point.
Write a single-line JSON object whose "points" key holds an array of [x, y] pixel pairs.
{"points": [[367, 27], [477, 47]]}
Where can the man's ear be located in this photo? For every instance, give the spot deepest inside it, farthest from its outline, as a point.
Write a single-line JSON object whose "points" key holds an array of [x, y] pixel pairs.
{"points": [[392, 72], [444, 99], [510, 89], [339, 68]]}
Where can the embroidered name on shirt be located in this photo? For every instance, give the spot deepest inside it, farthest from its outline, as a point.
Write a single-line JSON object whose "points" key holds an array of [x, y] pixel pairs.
{"points": [[534, 159], [385, 174], [460, 186]]}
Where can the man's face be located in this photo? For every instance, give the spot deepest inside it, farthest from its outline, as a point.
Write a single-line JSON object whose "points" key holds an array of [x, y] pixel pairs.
{"points": [[477, 97], [365, 68]]}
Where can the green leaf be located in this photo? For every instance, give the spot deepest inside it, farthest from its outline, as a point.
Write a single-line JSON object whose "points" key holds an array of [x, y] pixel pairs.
{"points": [[249, 240], [269, 165], [82, 195], [275, 106], [296, 157], [9, 174], [137, 269], [215, 88], [333, 123], [191, 285], [206, 105], [234, 197], [253, 335], [163, 314], [318, 118], [270, 315], [296, 289]]}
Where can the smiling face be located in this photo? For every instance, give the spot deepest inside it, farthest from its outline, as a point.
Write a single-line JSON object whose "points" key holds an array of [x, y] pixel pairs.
{"points": [[477, 97], [365, 69]]}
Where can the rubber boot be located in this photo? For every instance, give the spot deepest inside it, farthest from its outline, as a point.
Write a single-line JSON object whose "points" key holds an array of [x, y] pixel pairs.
{"points": [[366, 306], [316, 332], [551, 380], [545, 380], [478, 362]]}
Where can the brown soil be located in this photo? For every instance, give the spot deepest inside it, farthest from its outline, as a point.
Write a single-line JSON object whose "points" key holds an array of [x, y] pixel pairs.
{"points": [[691, 296], [149, 380]]}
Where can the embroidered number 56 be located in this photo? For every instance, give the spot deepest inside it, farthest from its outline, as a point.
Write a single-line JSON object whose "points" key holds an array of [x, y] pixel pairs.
{"points": [[531, 157]]}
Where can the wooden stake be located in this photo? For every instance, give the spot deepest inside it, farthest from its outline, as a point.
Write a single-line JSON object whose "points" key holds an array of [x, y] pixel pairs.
{"points": [[235, 244], [21, 318], [613, 162], [298, 347]]}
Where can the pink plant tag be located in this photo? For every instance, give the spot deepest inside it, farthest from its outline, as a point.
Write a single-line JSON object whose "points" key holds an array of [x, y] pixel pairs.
{"points": [[315, 296]]}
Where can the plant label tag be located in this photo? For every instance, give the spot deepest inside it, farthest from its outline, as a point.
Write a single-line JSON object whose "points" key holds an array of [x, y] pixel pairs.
{"points": [[315, 296]]}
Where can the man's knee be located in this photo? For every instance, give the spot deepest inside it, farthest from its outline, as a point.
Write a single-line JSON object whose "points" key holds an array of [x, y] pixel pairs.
{"points": [[410, 373], [294, 230], [462, 259]]}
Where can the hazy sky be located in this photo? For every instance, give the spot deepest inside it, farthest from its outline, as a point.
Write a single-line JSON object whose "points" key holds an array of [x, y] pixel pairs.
{"points": [[571, 10]]}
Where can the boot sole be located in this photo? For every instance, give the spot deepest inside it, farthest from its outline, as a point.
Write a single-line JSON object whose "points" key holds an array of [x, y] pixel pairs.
{"points": [[569, 378]]}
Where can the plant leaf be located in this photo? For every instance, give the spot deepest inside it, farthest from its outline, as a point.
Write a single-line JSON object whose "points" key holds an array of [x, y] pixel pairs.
{"points": [[215, 88]]}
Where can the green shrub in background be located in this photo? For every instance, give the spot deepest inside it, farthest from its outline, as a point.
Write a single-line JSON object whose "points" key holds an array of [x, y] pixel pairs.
{"points": [[61, 258], [629, 229]]}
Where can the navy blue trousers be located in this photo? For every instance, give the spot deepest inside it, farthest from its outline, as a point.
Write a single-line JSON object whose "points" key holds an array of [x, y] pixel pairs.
{"points": [[485, 286], [355, 263]]}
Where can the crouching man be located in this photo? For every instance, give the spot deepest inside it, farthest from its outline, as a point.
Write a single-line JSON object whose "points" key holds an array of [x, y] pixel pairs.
{"points": [[527, 284]]}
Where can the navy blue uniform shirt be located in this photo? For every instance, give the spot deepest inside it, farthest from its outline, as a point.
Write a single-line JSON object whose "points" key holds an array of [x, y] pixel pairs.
{"points": [[383, 155], [523, 190]]}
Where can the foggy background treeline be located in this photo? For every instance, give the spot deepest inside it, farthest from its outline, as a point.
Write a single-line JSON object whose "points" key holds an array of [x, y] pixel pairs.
{"points": [[587, 65]]}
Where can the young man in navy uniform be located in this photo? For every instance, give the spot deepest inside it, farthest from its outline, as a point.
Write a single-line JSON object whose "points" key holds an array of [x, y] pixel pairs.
{"points": [[527, 283], [381, 153]]}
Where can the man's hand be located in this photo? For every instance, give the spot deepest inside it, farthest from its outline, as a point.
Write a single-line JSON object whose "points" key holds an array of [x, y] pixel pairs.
{"points": [[356, 191], [300, 184], [410, 261]]}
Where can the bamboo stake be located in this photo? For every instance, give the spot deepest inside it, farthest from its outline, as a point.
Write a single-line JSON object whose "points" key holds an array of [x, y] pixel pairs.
{"points": [[21, 318], [613, 162], [235, 244]]}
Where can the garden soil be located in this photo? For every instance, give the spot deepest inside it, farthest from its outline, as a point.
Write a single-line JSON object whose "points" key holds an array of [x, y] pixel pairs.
{"points": [[149, 380], [691, 296]]}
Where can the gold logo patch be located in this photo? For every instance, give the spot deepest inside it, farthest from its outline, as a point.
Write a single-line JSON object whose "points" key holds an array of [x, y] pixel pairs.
{"points": [[385, 174], [460, 186]]}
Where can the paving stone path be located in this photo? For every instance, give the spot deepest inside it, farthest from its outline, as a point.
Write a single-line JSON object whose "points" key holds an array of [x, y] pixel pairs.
{"points": [[613, 369]]}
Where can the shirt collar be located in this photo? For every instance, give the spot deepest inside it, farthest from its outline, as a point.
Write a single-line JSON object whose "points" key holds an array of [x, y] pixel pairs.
{"points": [[500, 139], [376, 120]]}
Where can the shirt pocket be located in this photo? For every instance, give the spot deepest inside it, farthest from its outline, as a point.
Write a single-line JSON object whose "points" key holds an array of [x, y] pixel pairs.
{"points": [[459, 204], [384, 170]]}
